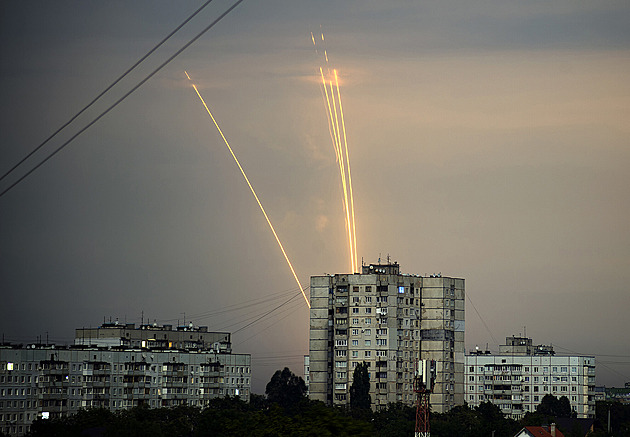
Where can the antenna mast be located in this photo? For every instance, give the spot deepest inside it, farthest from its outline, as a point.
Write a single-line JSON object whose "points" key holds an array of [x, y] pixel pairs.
{"points": [[422, 386]]}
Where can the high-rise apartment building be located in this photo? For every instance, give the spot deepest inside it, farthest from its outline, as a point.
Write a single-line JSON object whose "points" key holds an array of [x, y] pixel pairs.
{"points": [[389, 320], [521, 374], [111, 370]]}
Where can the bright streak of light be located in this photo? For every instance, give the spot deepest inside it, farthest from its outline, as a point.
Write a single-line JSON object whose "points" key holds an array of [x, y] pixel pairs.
{"points": [[344, 184], [251, 188], [337, 129], [345, 141], [336, 140]]}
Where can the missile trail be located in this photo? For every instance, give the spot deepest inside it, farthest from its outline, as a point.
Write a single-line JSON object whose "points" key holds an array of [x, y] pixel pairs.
{"points": [[336, 140], [345, 141], [331, 93], [344, 184], [251, 188]]}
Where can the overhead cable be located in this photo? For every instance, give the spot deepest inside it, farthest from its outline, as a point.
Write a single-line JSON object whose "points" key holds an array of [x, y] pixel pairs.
{"points": [[142, 82]]}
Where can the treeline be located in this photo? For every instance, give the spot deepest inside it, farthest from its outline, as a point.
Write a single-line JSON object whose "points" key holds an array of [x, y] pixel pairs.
{"points": [[286, 411]]}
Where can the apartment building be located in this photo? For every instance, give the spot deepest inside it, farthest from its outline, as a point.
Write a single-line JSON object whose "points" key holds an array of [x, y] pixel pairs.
{"points": [[389, 320], [521, 374], [46, 381]]}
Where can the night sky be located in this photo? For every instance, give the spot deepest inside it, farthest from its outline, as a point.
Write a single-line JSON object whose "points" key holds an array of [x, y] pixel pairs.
{"points": [[488, 141]]}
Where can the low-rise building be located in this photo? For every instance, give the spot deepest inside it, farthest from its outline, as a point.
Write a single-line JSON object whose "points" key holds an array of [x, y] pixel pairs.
{"points": [[47, 381], [519, 377]]}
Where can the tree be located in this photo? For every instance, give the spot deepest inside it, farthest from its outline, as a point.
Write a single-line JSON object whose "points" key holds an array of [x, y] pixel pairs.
{"points": [[285, 388], [360, 398], [552, 406]]}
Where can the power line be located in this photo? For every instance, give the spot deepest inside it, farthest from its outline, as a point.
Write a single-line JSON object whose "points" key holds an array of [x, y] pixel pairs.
{"points": [[481, 318], [250, 316], [236, 307], [600, 362], [268, 312], [149, 53], [264, 329], [142, 82]]}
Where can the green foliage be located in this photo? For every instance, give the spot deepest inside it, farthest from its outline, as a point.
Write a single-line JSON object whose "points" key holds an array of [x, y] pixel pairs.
{"points": [[286, 389], [554, 407], [473, 422], [619, 419], [360, 398], [397, 420]]}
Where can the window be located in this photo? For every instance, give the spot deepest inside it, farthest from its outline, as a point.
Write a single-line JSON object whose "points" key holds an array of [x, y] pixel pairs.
{"points": [[341, 353], [355, 310], [401, 290], [368, 342], [381, 342], [355, 321], [368, 288], [368, 354], [355, 299], [355, 354], [368, 299], [355, 331], [472, 368], [355, 342], [368, 311], [368, 321]]}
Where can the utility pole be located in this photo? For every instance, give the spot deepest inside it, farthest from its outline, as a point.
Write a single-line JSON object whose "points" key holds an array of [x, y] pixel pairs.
{"points": [[422, 386]]}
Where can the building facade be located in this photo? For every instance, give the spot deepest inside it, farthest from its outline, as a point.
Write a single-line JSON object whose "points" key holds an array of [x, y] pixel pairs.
{"points": [[521, 374], [389, 320], [49, 381]]}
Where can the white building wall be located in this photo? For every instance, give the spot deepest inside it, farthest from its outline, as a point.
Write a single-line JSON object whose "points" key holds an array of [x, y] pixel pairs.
{"points": [[517, 384], [40, 380]]}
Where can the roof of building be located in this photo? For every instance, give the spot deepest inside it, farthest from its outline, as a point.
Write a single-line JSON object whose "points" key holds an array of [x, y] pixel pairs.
{"points": [[539, 431]]}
